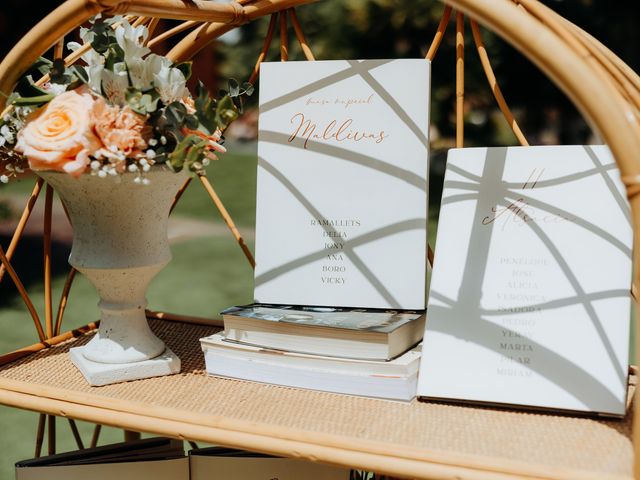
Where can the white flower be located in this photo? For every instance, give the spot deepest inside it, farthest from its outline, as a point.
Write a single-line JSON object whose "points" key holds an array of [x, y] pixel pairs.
{"points": [[4, 179], [6, 135], [90, 57], [55, 88], [95, 77], [102, 174], [171, 84], [151, 154], [131, 41], [143, 72], [114, 86], [132, 168], [95, 165]]}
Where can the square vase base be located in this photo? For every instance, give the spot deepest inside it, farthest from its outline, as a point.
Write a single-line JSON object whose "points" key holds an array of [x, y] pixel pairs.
{"points": [[98, 374]]}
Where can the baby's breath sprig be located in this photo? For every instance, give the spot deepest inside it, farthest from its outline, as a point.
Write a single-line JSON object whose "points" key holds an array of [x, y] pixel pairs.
{"points": [[13, 164]]}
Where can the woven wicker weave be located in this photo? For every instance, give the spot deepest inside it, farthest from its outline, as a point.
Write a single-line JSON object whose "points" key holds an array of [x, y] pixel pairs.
{"points": [[534, 443]]}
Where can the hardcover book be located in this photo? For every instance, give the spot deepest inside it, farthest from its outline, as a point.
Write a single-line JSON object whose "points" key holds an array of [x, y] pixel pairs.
{"points": [[227, 463], [157, 458], [341, 214], [394, 379], [340, 332], [530, 295]]}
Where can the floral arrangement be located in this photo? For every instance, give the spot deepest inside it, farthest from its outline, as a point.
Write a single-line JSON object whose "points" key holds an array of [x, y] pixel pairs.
{"points": [[125, 110]]}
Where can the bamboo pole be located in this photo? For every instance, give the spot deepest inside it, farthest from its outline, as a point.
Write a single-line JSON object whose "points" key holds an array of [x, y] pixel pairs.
{"points": [[64, 297], [284, 41], [306, 50], [227, 218], [233, 13], [172, 32], [96, 436], [48, 303], [178, 196], [153, 24], [214, 322], [459, 80], [403, 461], [131, 436], [40, 435], [68, 60], [265, 48], [493, 83], [76, 434], [437, 39], [46, 343], [22, 223], [561, 63], [139, 21], [196, 40], [51, 434], [547, 16], [23, 294], [629, 74], [58, 49], [627, 80], [75, 12], [41, 37]]}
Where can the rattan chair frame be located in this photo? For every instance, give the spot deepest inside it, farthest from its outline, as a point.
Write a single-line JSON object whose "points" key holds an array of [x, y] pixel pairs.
{"points": [[605, 90]]}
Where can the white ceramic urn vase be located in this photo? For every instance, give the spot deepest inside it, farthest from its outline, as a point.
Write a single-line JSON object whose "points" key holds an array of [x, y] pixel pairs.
{"points": [[120, 243]]}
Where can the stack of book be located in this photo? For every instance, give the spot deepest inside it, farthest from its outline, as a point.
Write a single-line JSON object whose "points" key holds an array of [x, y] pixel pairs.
{"points": [[352, 351], [341, 220]]}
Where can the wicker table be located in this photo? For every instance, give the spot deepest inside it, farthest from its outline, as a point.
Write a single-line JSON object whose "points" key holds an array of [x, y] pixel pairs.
{"points": [[413, 439], [426, 440]]}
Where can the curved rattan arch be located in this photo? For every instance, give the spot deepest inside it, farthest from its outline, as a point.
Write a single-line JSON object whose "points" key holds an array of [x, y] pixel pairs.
{"points": [[603, 88]]}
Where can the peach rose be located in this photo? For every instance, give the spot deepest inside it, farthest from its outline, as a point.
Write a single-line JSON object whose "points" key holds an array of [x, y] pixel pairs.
{"points": [[120, 128], [59, 136]]}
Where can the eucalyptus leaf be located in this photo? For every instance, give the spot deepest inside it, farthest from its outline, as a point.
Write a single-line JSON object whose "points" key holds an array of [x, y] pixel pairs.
{"points": [[234, 88], [177, 158], [176, 113], [26, 88], [191, 121], [100, 43], [248, 88], [81, 73], [57, 72], [33, 101], [226, 112], [41, 66], [186, 68], [141, 102]]}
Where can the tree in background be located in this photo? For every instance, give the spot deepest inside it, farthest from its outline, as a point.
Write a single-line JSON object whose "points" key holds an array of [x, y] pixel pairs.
{"points": [[402, 28]]}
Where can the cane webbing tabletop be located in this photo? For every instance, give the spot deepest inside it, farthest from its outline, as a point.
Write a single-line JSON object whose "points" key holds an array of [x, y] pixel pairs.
{"points": [[415, 439]]}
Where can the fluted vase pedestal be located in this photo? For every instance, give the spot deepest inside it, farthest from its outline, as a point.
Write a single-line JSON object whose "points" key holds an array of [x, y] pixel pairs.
{"points": [[120, 243]]}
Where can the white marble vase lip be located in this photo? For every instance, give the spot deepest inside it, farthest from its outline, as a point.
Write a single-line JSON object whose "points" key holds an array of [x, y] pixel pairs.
{"points": [[119, 243]]}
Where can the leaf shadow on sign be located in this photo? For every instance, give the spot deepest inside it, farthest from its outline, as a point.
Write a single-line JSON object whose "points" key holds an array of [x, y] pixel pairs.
{"points": [[487, 191], [349, 245]]}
